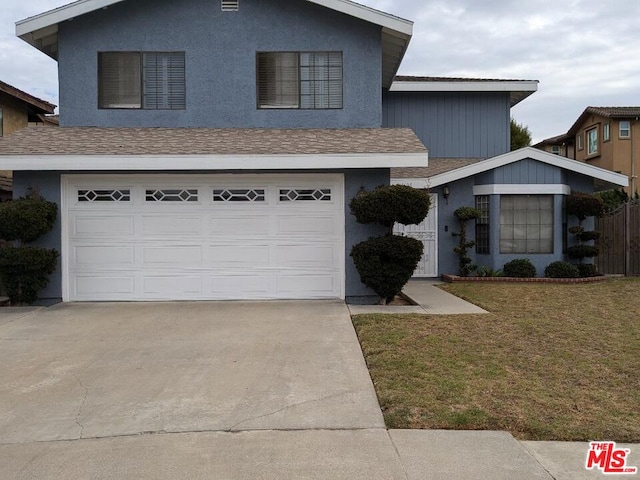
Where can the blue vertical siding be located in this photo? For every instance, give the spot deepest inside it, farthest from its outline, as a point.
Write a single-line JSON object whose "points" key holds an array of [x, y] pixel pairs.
{"points": [[452, 124], [220, 53]]}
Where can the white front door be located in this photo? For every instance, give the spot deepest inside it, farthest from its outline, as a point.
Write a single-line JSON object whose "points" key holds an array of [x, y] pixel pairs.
{"points": [[427, 233], [203, 237]]}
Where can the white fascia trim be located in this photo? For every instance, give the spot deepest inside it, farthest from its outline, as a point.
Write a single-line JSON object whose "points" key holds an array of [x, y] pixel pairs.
{"points": [[534, 154], [60, 14], [460, 86], [522, 189], [368, 14], [81, 7], [210, 162]]}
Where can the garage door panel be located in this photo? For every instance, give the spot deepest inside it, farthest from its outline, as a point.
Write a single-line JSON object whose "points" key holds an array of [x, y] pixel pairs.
{"points": [[103, 226], [170, 285], [242, 242], [314, 285], [104, 285], [103, 255], [250, 226], [302, 225], [162, 225], [231, 286], [305, 255], [179, 255], [240, 256]]}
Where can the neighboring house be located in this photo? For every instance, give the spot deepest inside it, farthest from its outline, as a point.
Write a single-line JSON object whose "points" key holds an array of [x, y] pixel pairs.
{"points": [[607, 137], [17, 110], [563, 145], [210, 150]]}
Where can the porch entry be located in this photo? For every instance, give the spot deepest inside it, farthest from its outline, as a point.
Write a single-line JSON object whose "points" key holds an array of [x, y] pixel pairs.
{"points": [[427, 233]]}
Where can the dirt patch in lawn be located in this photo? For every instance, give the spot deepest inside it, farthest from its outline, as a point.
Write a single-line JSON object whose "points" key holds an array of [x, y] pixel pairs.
{"points": [[552, 362]]}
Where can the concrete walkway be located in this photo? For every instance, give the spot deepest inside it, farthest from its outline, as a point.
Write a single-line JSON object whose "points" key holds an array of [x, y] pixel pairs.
{"points": [[429, 299]]}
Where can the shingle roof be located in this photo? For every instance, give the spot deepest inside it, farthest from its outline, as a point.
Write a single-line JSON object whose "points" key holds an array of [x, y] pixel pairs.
{"points": [[436, 167], [206, 141], [615, 111]]}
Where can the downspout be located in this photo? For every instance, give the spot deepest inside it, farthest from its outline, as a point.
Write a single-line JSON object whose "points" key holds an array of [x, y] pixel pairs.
{"points": [[633, 160]]}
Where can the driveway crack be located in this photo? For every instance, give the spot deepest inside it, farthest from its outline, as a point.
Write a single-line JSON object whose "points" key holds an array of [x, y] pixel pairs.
{"points": [[81, 408], [286, 407]]}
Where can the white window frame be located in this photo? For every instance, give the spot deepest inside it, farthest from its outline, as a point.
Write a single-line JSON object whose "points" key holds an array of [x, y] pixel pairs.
{"points": [[606, 132], [592, 141], [526, 225], [627, 129], [556, 150], [580, 141]]}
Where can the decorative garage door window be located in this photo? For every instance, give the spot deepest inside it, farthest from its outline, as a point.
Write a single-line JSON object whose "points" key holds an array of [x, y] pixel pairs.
{"points": [[104, 195], [239, 195], [171, 195], [305, 194]]}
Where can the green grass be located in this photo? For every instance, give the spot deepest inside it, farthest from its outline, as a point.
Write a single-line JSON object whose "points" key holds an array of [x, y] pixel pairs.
{"points": [[551, 362]]}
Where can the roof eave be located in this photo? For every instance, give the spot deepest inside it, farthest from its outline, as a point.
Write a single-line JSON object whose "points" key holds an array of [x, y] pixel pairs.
{"points": [[518, 90], [607, 176]]}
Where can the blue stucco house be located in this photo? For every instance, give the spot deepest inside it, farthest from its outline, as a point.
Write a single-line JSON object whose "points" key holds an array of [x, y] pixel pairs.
{"points": [[209, 150]]}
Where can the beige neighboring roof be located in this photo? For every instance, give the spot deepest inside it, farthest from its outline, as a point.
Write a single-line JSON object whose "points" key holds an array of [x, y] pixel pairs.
{"points": [[436, 167], [208, 141], [39, 105], [611, 112]]}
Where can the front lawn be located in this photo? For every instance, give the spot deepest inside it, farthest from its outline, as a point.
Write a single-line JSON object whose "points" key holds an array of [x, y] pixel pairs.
{"points": [[551, 362]]}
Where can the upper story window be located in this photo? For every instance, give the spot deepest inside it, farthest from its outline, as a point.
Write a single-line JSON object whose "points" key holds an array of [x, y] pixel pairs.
{"points": [[555, 149], [592, 141], [625, 128], [299, 80], [606, 132], [1, 123], [579, 141], [142, 80]]}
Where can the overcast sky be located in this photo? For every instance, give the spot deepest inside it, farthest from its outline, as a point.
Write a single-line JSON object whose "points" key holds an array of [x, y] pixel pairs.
{"points": [[583, 52]]}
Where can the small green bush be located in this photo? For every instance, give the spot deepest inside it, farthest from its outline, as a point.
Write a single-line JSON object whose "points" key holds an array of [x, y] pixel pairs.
{"points": [[588, 236], [587, 270], [579, 252], [464, 214], [26, 219], [25, 271], [465, 265], [386, 263], [520, 267], [561, 270], [390, 204], [488, 272]]}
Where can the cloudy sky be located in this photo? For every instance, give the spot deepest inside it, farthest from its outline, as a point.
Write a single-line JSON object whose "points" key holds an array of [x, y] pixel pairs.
{"points": [[583, 52]]}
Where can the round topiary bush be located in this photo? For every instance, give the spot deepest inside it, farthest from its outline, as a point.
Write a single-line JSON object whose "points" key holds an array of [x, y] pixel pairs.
{"points": [[584, 205], [389, 204], [579, 252], [561, 270], [520, 267], [587, 270], [26, 219], [386, 263]]}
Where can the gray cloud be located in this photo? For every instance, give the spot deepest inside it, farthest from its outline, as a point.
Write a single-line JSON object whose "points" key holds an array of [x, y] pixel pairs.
{"points": [[584, 52]]}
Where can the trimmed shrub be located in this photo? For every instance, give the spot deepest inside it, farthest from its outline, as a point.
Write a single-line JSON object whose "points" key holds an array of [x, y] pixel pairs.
{"points": [[580, 252], [584, 205], [25, 271], [520, 267], [26, 219], [561, 270], [488, 272], [386, 263], [587, 270], [588, 236], [464, 214], [390, 204]]}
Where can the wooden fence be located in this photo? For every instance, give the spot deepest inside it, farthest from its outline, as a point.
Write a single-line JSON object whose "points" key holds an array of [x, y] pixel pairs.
{"points": [[619, 240]]}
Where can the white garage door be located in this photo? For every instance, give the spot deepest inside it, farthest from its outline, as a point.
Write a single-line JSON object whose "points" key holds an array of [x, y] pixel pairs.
{"points": [[184, 237]]}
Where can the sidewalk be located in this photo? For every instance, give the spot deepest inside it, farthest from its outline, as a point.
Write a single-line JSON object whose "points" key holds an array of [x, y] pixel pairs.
{"points": [[429, 299]]}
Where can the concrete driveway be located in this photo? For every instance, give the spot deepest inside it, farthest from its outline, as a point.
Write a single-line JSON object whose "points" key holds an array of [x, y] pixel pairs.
{"points": [[79, 371]]}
